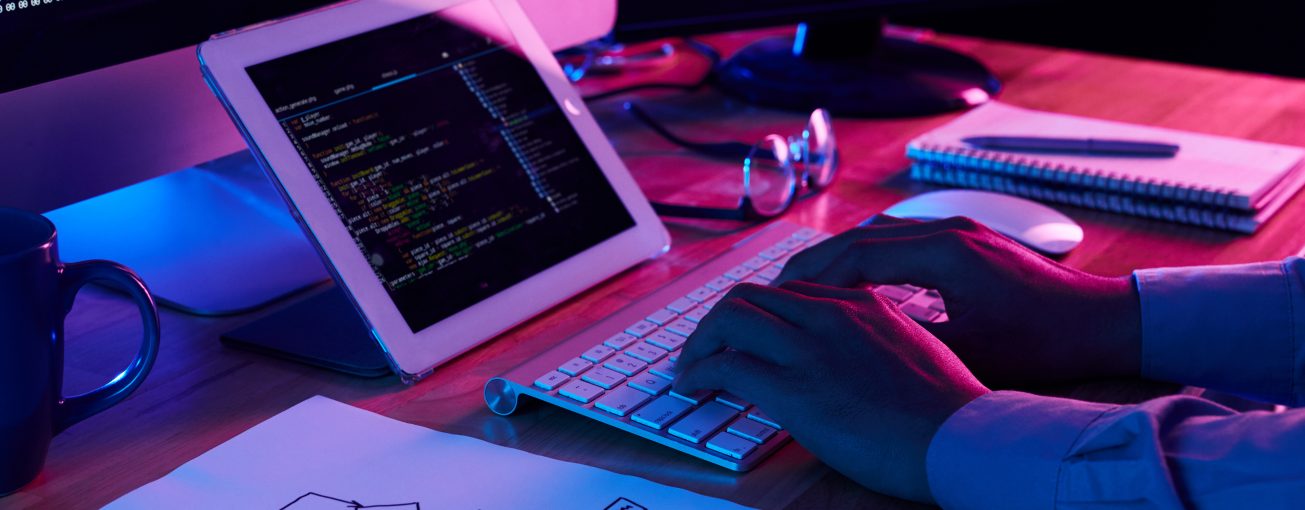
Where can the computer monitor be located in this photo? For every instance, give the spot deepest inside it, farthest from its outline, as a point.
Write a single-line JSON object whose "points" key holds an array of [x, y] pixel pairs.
{"points": [[838, 59], [109, 128]]}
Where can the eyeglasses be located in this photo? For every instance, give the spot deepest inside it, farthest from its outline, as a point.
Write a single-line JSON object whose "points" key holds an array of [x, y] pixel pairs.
{"points": [[775, 170]]}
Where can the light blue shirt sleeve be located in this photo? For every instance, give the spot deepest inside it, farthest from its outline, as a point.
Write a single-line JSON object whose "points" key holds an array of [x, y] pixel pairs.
{"points": [[1233, 328]]}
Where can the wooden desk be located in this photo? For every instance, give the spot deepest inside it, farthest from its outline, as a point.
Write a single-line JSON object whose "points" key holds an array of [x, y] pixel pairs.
{"points": [[201, 394]]}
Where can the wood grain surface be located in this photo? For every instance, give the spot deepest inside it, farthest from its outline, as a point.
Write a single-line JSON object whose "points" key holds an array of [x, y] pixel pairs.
{"points": [[201, 394]]}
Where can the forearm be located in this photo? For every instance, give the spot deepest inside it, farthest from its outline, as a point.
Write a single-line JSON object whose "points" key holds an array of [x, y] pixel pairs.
{"points": [[1015, 450]]}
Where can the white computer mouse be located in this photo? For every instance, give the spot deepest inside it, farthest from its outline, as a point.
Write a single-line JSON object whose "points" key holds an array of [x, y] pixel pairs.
{"points": [[1032, 224]]}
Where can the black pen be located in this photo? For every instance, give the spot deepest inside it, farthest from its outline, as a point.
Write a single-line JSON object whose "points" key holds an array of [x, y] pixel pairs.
{"points": [[1094, 146]]}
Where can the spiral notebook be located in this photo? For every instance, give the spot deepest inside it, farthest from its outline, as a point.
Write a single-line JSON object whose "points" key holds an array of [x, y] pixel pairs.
{"points": [[1213, 181]]}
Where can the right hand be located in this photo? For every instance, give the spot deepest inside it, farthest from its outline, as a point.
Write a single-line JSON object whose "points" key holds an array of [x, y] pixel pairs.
{"points": [[1014, 316]]}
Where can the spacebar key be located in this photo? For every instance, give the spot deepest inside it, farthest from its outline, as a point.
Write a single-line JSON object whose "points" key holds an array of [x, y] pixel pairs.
{"points": [[701, 423]]}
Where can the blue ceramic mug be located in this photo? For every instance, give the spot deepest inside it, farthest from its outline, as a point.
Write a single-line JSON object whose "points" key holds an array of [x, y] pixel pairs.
{"points": [[36, 293]]}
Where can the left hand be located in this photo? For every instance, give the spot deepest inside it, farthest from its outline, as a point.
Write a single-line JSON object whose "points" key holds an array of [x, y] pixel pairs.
{"points": [[856, 382]]}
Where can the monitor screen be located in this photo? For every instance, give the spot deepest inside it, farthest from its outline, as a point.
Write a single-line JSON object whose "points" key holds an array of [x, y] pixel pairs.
{"points": [[451, 164], [44, 40]]}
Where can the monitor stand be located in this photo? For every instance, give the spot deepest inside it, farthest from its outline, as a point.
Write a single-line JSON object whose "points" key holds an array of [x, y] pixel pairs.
{"points": [[215, 239], [852, 69]]}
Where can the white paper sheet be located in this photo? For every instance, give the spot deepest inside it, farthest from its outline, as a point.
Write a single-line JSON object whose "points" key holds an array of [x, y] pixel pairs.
{"points": [[322, 454]]}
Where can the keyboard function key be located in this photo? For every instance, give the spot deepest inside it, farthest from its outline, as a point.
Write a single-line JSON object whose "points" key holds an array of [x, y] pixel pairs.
{"points": [[551, 380], [575, 366], [646, 353], [731, 445], [625, 365], [806, 234], [661, 412], [681, 305], [581, 391], [756, 263], [773, 252], [702, 422], [620, 341], [752, 430], [622, 401], [666, 340], [738, 273], [641, 328], [682, 327], [650, 383], [604, 377], [720, 284], [701, 294], [598, 353], [761, 417]]}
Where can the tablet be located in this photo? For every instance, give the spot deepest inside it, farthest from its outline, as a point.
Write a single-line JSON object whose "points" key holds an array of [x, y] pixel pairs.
{"points": [[448, 173]]}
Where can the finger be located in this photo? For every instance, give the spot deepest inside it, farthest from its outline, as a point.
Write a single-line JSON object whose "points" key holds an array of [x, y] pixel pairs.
{"points": [[810, 262], [738, 324], [736, 372], [929, 260]]}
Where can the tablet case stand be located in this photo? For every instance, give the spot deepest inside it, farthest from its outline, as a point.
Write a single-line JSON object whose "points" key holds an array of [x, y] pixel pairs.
{"points": [[323, 330]]}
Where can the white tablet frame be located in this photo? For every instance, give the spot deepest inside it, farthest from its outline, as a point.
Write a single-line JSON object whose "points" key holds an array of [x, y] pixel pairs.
{"points": [[414, 355]]}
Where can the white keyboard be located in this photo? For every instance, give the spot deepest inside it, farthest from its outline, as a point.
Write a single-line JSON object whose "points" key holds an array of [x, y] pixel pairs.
{"points": [[619, 371]]}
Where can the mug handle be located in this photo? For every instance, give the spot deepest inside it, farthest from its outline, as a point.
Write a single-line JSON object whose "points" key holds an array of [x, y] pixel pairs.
{"points": [[70, 410]]}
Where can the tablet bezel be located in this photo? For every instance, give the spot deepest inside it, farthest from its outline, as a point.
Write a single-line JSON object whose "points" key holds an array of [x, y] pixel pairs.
{"points": [[415, 354]]}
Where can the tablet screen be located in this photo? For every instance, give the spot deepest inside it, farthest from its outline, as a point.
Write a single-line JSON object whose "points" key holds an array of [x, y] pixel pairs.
{"points": [[445, 155]]}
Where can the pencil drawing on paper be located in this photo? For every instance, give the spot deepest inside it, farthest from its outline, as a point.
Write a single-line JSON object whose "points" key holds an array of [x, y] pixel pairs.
{"points": [[315, 501]]}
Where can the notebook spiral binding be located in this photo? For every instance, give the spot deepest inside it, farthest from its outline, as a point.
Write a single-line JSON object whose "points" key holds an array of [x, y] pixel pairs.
{"points": [[1025, 167]]}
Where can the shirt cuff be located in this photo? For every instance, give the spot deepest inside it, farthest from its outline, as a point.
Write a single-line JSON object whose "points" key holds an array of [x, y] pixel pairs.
{"points": [[1224, 327], [1004, 450]]}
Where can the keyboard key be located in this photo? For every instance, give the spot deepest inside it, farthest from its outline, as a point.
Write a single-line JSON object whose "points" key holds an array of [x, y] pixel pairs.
{"points": [[756, 263], [942, 317], [665, 368], [694, 398], [598, 353], [720, 284], [682, 327], [771, 272], [661, 412], [646, 353], [666, 340], [620, 341], [791, 244], [937, 305], [696, 315], [819, 238], [783, 261], [641, 328], [757, 279], [773, 252], [622, 401], [681, 305], [551, 380], [652, 384], [761, 417], [752, 430], [575, 366], [731, 445], [661, 317], [604, 378], [806, 234], [733, 401], [738, 273], [701, 294], [581, 391], [701, 423], [625, 365], [711, 303], [894, 293]]}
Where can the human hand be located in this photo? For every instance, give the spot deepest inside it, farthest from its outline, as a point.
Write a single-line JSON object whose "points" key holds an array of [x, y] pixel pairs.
{"points": [[857, 383], [1013, 316]]}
